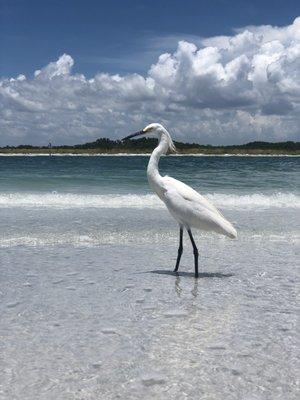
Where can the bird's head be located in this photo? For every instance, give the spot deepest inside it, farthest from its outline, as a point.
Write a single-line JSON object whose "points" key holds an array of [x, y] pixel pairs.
{"points": [[156, 130]]}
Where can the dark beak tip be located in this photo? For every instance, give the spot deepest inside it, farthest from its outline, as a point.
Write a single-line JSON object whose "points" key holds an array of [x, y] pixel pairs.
{"points": [[125, 138], [132, 135]]}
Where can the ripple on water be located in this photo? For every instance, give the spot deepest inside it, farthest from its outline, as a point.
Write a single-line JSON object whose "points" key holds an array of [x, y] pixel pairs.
{"points": [[153, 380], [175, 313], [58, 281], [97, 365], [216, 348], [244, 355], [128, 287], [110, 331], [12, 305], [149, 308], [236, 372]]}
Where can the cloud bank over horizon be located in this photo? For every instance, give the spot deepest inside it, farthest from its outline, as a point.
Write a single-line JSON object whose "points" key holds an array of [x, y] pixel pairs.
{"points": [[224, 90]]}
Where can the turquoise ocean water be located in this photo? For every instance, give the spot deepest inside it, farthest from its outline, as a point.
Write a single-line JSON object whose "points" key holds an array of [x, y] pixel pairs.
{"points": [[89, 308]]}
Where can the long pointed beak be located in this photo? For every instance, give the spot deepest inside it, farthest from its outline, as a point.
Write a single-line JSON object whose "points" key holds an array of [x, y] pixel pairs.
{"points": [[134, 134]]}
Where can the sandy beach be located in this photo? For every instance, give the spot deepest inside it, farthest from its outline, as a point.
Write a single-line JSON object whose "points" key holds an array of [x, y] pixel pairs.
{"points": [[107, 321]]}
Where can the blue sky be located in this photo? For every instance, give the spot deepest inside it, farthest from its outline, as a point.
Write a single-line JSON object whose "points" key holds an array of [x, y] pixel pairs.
{"points": [[127, 37], [120, 36]]}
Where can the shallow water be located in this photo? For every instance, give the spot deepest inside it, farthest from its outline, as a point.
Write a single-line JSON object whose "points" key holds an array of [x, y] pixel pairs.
{"points": [[89, 306]]}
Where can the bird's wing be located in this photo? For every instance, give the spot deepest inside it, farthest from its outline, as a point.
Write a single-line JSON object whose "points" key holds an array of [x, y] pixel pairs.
{"points": [[188, 207], [189, 193]]}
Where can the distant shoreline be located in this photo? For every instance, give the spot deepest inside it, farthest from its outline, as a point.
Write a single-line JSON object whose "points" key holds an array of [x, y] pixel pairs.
{"points": [[145, 146], [93, 154]]}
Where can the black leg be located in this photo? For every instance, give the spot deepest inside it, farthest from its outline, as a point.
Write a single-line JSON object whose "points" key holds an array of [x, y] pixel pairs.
{"points": [[180, 249], [195, 252]]}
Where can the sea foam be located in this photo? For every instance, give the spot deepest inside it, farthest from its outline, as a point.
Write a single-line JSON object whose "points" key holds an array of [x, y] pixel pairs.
{"points": [[69, 201]]}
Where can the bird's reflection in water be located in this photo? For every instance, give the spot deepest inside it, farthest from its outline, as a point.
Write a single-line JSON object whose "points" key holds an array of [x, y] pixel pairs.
{"points": [[183, 275], [194, 291], [178, 287]]}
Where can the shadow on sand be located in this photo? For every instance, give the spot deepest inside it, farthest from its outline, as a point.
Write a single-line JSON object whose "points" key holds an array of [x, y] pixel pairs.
{"points": [[191, 274]]}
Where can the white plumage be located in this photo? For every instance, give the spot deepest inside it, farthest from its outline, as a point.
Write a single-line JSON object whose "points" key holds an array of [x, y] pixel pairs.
{"points": [[192, 210], [188, 207]]}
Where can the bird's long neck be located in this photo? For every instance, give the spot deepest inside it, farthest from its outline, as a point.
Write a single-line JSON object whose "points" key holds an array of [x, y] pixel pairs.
{"points": [[153, 174]]}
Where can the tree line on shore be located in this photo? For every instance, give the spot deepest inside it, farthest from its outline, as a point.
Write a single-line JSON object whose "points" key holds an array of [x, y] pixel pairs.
{"points": [[147, 144]]}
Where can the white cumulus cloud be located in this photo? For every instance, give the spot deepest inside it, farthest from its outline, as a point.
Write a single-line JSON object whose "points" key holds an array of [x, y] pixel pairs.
{"points": [[227, 89]]}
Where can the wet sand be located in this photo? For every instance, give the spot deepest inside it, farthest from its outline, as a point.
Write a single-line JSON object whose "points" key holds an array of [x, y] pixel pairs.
{"points": [[113, 322]]}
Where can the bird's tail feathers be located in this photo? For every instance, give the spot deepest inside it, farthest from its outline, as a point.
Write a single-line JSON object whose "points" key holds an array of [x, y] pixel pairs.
{"points": [[230, 231]]}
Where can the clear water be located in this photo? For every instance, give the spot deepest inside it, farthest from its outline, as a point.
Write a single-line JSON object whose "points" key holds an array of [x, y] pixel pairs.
{"points": [[90, 310], [123, 175]]}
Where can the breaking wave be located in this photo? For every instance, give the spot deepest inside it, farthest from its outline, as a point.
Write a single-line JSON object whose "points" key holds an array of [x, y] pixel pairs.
{"points": [[256, 200], [130, 237], [68, 201]]}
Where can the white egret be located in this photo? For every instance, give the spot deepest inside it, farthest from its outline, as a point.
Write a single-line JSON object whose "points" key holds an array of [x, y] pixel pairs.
{"points": [[188, 207]]}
